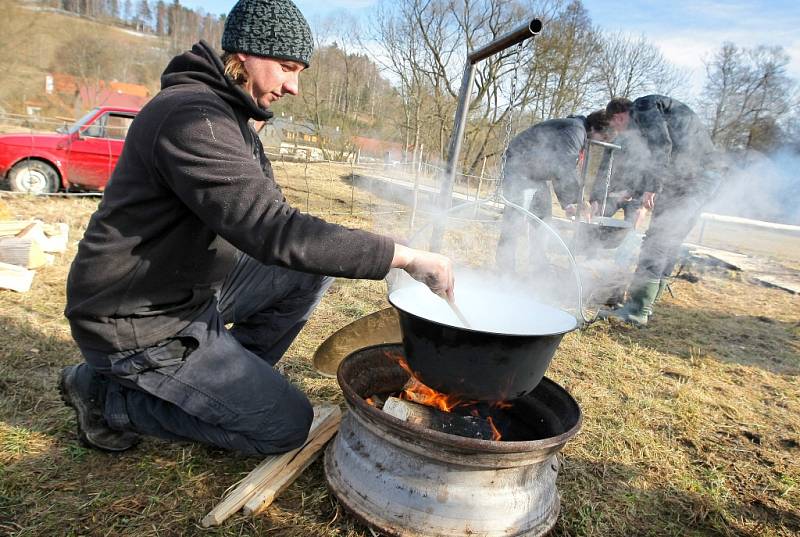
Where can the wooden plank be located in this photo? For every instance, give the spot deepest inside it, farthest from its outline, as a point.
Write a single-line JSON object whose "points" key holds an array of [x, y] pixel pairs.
{"points": [[52, 238], [25, 252], [784, 282], [265, 495], [9, 228], [269, 467], [15, 278], [711, 217]]}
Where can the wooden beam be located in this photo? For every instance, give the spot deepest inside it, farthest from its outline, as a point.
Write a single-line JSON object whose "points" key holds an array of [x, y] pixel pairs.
{"points": [[271, 466]]}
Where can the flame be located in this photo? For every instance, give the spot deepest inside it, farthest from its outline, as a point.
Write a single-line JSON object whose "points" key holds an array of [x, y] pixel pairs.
{"points": [[418, 392], [495, 433]]}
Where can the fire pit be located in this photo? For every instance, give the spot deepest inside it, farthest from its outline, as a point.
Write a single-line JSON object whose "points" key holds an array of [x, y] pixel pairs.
{"points": [[408, 480]]}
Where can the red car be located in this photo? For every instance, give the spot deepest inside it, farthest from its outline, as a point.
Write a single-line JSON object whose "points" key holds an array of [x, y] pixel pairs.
{"points": [[79, 157]]}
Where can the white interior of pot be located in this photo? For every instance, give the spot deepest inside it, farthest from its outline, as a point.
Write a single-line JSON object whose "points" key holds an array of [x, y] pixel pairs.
{"points": [[489, 305]]}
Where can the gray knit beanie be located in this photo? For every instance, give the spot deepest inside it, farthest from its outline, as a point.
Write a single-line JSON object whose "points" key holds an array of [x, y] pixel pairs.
{"points": [[272, 28]]}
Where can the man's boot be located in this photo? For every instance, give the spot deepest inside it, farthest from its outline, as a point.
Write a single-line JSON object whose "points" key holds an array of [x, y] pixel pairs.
{"points": [[84, 390], [639, 306], [663, 285]]}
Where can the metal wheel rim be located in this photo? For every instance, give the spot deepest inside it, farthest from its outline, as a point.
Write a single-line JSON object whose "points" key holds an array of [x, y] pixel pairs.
{"points": [[32, 180]]}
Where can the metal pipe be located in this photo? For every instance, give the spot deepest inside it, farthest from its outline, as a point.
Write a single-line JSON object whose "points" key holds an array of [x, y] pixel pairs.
{"points": [[605, 144], [503, 42], [507, 40]]}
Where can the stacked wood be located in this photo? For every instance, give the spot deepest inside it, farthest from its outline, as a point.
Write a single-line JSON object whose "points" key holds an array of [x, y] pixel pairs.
{"points": [[52, 238], [275, 473], [26, 245]]}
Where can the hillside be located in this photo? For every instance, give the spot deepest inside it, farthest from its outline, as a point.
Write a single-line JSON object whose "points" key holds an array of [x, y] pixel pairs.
{"points": [[36, 40]]}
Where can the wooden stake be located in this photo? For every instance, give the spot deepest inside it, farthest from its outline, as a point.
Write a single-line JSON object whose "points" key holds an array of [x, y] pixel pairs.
{"points": [[265, 495], [269, 467]]}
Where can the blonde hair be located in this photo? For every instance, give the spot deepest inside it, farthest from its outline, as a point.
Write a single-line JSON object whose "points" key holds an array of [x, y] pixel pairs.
{"points": [[234, 68]]}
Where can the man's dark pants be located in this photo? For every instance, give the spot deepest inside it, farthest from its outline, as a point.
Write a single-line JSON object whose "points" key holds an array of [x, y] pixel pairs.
{"points": [[675, 213], [534, 197], [216, 385]]}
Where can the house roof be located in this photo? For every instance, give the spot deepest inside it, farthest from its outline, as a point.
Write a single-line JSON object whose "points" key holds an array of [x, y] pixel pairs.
{"points": [[113, 93], [375, 146]]}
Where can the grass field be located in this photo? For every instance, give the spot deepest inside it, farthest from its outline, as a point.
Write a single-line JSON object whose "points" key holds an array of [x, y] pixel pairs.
{"points": [[691, 425]]}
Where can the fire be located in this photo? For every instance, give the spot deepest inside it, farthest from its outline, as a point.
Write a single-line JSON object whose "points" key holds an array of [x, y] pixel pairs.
{"points": [[495, 433], [417, 392]]}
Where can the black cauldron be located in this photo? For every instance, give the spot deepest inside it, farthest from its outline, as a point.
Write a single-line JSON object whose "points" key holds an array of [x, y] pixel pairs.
{"points": [[503, 356], [603, 231]]}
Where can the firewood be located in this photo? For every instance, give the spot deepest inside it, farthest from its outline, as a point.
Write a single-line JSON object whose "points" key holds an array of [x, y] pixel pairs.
{"points": [[25, 252], [432, 418], [266, 494], [52, 238], [15, 278], [271, 466]]}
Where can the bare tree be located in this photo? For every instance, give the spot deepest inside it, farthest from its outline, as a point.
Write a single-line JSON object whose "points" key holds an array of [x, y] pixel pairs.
{"points": [[631, 67], [748, 95]]}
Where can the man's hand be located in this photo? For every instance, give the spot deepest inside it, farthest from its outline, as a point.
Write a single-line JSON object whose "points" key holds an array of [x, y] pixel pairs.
{"points": [[434, 270], [649, 200]]}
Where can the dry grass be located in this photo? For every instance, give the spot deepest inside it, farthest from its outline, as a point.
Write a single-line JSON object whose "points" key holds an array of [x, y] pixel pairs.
{"points": [[691, 426]]}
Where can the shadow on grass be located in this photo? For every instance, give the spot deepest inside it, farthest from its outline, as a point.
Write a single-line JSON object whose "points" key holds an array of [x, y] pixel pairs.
{"points": [[602, 498], [752, 340]]}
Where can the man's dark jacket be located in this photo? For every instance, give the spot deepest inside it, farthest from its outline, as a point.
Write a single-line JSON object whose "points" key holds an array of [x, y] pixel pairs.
{"points": [[191, 187], [680, 146], [549, 150]]}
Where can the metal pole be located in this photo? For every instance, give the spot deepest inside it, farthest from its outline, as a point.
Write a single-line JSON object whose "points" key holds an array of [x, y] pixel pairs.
{"points": [[503, 42], [416, 188]]}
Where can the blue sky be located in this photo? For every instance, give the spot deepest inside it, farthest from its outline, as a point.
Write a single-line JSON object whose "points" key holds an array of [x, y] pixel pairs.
{"points": [[686, 31]]}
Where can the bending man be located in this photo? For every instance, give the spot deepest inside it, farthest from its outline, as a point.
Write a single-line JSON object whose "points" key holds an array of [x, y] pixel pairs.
{"points": [[552, 150], [678, 180]]}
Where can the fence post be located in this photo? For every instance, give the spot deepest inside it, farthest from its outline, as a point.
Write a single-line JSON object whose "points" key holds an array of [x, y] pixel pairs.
{"points": [[415, 194], [702, 230], [480, 183]]}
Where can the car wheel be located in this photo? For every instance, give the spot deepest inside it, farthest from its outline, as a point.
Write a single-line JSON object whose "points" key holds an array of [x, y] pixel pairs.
{"points": [[33, 176]]}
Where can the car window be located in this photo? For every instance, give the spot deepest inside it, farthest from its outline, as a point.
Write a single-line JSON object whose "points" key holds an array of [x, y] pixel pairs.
{"points": [[109, 125], [97, 129], [75, 127], [117, 126]]}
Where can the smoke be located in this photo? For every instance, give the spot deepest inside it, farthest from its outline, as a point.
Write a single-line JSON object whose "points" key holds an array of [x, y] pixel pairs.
{"points": [[761, 187]]}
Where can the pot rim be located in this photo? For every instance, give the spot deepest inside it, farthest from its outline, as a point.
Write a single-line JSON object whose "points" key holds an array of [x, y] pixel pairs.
{"points": [[474, 331]]}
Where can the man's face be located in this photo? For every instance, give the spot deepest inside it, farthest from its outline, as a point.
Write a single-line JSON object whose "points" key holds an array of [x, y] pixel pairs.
{"points": [[619, 122], [602, 136], [269, 79]]}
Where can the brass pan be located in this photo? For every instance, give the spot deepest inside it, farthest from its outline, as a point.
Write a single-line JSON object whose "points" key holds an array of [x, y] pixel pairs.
{"points": [[377, 328]]}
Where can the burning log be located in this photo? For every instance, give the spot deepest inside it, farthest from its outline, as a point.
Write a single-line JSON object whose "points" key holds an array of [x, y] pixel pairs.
{"points": [[437, 420]]}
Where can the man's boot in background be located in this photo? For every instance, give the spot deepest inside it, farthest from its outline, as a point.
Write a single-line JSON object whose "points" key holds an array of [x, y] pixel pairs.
{"points": [[639, 306]]}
